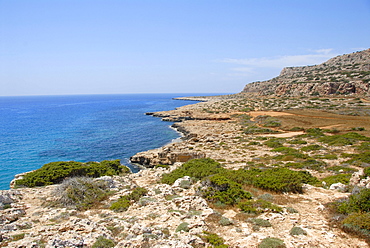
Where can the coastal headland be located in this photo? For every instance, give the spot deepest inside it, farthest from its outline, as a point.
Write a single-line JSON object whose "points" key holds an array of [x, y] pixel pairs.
{"points": [[251, 170]]}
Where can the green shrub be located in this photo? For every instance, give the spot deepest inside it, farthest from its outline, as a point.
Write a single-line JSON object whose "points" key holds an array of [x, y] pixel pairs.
{"points": [[367, 172], [283, 180], [56, 172], [310, 164], [358, 223], [311, 148], [220, 189], [285, 150], [358, 129], [17, 237], [213, 239], [225, 221], [297, 142], [295, 129], [273, 143], [183, 227], [340, 178], [359, 202], [297, 231], [342, 169], [258, 223], [258, 206], [291, 210], [242, 176], [271, 243], [80, 192], [137, 193], [103, 242], [364, 146], [289, 154], [256, 129], [313, 133], [124, 202], [274, 179], [358, 159], [195, 168], [343, 139]]}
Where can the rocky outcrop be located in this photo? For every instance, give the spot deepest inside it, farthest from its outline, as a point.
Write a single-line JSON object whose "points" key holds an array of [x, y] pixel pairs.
{"points": [[156, 219], [343, 75], [163, 156]]}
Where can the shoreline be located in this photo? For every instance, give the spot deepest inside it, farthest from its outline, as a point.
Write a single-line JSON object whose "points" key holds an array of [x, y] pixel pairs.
{"points": [[205, 134]]}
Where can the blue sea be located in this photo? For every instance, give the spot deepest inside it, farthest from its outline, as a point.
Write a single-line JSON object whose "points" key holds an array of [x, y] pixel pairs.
{"points": [[35, 130]]}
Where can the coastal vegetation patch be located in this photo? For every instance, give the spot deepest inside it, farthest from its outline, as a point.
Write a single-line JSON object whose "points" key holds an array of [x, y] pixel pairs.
{"points": [[353, 213], [80, 192], [124, 202], [56, 172]]}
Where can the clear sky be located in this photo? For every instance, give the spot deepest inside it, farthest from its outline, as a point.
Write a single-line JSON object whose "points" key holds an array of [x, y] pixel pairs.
{"points": [[55, 47]]}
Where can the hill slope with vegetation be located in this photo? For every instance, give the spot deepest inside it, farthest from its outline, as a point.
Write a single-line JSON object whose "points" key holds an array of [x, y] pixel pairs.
{"points": [[347, 74]]}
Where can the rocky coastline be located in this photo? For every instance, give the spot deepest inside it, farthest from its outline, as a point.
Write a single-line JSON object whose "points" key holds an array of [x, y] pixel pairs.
{"points": [[27, 220], [326, 138]]}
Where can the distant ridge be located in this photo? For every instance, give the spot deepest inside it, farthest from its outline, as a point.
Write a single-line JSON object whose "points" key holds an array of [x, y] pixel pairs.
{"points": [[347, 74]]}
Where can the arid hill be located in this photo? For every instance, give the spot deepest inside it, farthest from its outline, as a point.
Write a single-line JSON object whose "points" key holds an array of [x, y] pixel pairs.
{"points": [[347, 74]]}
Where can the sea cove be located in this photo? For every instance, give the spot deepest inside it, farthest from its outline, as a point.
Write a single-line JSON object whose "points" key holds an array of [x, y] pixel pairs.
{"points": [[35, 130]]}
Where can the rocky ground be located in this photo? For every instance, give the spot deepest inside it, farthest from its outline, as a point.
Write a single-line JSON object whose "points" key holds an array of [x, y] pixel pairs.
{"points": [[174, 215]]}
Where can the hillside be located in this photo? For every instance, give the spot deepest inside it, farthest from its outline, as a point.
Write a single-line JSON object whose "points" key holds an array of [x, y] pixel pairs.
{"points": [[347, 74]]}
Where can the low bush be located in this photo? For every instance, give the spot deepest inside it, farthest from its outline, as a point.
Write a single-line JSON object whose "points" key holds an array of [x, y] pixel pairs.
{"points": [[256, 129], [271, 243], [257, 222], [313, 133], [213, 239], [364, 146], [283, 180], [367, 172], [225, 221], [275, 179], [358, 223], [342, 169], [297, 231], [56, 172], [295, 129], [195, 168], [358, 159], [310, 164], [103, 242], [218, 188], [340, 178], [359, 202], [274, 143], [258, 206], [184, 226], [297, 142], [288, 154], [311, 148], [80, 192], [124, 202], [343, 139]]}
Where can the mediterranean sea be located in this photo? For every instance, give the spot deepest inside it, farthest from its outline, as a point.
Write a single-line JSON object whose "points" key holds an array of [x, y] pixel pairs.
{"points": [[35, 130]]}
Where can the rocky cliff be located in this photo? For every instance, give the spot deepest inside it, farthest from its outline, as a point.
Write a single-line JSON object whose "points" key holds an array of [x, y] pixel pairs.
{"points": [[347, 74]]}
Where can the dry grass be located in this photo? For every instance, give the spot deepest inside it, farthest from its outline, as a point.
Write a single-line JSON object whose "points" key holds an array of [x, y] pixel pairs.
{"points": [[321, 119]]}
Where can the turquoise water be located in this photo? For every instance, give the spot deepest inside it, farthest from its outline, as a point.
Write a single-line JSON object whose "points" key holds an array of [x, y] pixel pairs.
{"points": [[35, 130]]}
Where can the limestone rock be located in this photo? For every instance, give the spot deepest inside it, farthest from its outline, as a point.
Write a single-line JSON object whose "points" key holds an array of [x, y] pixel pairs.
{"points": [[342, 75], [338, 186]]}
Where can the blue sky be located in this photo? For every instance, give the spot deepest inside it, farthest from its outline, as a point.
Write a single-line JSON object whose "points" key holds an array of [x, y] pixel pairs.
{"points": [[168, 46]]}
